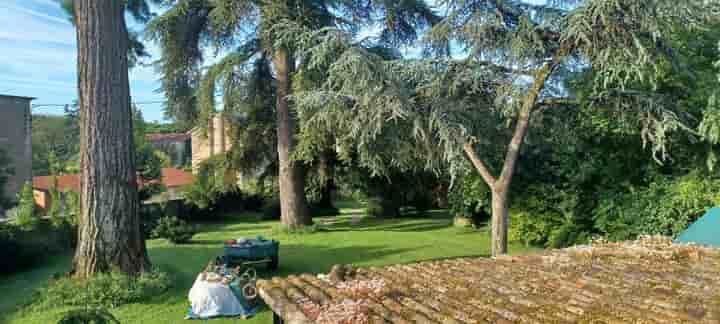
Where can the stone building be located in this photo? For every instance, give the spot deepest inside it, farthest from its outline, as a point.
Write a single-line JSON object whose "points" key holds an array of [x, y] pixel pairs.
{"points": [[176, 145], [15, 140], [215, 141]]}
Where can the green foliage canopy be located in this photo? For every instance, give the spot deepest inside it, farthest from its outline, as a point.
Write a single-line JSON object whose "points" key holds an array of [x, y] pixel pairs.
{"points": [[506, 44], [248, 32], [26, 217]]}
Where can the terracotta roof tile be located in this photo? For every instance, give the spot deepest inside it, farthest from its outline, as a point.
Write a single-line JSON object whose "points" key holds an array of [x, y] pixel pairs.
{"points": [[65, 182], [651, 280], [171, 177], [168, 137]]}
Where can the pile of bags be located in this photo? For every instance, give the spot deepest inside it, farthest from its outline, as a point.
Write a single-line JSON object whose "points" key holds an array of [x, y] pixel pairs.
{"points": [[222, 292]]}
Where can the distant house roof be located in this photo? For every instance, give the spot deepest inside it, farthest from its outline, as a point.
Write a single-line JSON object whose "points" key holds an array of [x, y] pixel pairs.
{"points": [[171, 178], [65, 182], [168, 137], [17, 97]]}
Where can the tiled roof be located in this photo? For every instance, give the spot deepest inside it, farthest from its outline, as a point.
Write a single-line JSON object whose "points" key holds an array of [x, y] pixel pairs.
{"points": [[17, 97], [648, 281], [170, 137], [171, 177], [64, 182]]}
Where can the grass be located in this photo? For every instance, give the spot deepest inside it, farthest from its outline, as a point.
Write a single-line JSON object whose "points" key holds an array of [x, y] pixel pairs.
{"points": [[345, 239]]}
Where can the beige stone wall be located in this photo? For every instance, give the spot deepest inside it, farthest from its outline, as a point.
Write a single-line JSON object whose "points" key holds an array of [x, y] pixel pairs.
{"points": [[217, 141], [42, 199], [15, 140]]}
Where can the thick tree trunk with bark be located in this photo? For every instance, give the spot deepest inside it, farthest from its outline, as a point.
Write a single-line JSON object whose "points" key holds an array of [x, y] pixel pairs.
{"points": [[500, 186], [326, 174], [500, 220], [109, 234], [293, 205]]}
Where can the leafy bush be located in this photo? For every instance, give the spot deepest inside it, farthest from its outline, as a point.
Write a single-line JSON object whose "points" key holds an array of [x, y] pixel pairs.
{"points": [[532, 228], [469, 196], [666, 206], [374, 208], [22, 249], [387, 195], [422, 203], [150, 215], [174, 230], [88, 316], [63, 214], [215, 178], [103, 290], [215, 192], [17, 255], [569, 233], [71, 202], [383, 206], [319, 211], [253, 202], [26, 217], [271, 209], [54, 212]]}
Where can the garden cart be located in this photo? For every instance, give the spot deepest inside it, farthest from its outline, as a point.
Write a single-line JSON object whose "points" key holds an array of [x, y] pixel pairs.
{"points": [[250, 252]]}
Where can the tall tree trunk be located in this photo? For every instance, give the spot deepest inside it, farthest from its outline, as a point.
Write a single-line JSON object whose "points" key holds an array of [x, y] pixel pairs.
{"points": [[499, 244], [211, 135], [500, 187], [109, 235], [326, 174], [293, 205]]}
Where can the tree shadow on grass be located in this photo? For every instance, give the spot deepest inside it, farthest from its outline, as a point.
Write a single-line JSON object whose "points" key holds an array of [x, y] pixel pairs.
{"points": [[205, 242], [186, 261], [18, 288], [388, 225], [231, 227]]}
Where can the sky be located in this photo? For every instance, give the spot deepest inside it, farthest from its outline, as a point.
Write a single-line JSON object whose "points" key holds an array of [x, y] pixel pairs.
{"points": [[38, 59]]}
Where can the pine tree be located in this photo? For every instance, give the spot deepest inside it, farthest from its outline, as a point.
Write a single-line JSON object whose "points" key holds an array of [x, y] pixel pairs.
{"points": [[255, 29], [109, 224], [516, 58]]}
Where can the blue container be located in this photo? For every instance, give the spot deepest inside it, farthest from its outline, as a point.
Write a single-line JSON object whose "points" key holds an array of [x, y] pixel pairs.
{"points": [[258, 249], [254, 250]]}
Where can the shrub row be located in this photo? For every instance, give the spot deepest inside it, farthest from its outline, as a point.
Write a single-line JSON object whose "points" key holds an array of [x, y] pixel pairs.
{"points": [[546, 215], [22, 249], [107, 290]]}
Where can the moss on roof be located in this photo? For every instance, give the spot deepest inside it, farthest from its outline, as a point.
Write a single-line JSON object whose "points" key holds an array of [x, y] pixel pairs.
{"points": [[650, 280]]}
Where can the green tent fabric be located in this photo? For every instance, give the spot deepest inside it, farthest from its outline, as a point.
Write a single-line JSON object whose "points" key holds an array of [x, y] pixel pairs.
{"points": [[705, 231]]}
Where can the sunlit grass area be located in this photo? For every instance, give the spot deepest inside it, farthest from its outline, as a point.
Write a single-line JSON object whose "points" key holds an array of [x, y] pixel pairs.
{"points": [[348, 238]]}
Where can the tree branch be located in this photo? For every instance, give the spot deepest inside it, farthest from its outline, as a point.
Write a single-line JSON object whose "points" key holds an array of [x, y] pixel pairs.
{"points": [[529, 103], [522, 125], [479, 164], [548, 103], [506, 69]]}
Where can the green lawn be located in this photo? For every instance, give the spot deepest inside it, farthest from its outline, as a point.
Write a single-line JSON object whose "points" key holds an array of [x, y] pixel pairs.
{"points": [[341, 239]]}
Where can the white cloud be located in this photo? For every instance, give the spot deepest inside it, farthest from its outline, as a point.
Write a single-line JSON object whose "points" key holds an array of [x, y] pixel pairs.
{"points": [[23, 22], [38, 57]]}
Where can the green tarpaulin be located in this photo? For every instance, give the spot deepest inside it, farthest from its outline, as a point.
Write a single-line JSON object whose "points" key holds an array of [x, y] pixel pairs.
{"points": [[705, 231]]}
